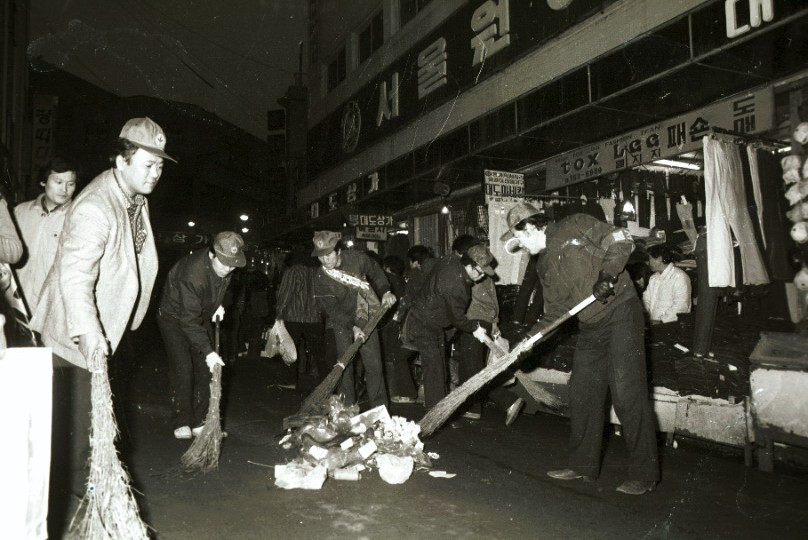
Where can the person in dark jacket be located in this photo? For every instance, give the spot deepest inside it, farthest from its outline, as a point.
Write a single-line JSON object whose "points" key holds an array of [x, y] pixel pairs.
{"points": [[347, 288], [441, 304], [192, 298], [301, 315], [582, 256]]}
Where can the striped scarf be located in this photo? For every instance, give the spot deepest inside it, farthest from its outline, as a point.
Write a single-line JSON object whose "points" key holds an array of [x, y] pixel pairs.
{"points": [[366, 300]]}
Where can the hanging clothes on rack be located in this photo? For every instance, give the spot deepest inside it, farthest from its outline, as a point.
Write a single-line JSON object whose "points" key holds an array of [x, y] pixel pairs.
{"points": [[727, 214]]}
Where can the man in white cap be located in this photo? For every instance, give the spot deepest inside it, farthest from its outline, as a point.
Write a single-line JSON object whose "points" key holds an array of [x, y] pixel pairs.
{"points": [[192, 299], [582, 256], [101, 279], [347, 288]]}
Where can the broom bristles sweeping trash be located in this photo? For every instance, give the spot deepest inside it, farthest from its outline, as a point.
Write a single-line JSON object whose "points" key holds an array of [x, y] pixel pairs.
{"points": [[111, 509], [326, 388], [448, 405], [203, 454]]}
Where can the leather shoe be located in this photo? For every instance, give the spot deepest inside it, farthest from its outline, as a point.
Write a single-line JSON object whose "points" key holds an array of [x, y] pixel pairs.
{"points": [[636, 487], [569, 474], [513, 411]]}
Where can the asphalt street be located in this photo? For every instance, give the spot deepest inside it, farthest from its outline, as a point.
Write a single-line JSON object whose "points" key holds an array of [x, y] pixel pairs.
{"points": [[500, 490]]}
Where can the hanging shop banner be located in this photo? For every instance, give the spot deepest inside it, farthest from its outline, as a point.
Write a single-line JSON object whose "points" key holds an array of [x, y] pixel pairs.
{"points": [[371, 232], [501, 186], [43, 131], [181, 240], [371, 220], [747, 114]]}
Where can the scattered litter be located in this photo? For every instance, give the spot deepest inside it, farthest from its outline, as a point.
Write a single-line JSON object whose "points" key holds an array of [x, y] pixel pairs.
{"points": [[441, 474], [338, 443], [731, 367], [681, 347], [394, 469], [433, 455], [299, 474]]}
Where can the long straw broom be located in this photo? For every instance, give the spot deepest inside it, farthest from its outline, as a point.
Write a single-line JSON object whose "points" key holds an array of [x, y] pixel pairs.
{"points": [[112, 512], [539, 393], [326, 388], [203, 454], [449, 404]]}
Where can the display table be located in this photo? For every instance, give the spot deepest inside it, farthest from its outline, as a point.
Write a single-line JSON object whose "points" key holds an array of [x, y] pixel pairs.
{"points": [[779, 393]]}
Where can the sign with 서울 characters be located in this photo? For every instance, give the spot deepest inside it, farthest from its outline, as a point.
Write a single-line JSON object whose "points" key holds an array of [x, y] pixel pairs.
{"points": [[501, 186], [746, 114]]}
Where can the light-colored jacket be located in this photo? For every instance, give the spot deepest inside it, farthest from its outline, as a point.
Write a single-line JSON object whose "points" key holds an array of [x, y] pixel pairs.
{"points": [[97, 280], [40, 231], [667, 294]]}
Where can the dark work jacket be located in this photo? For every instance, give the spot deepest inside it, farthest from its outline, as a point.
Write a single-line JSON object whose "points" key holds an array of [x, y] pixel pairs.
{"points": [[443, 299], [338, 301], [578, 248], [295, 301], [191, 294]]}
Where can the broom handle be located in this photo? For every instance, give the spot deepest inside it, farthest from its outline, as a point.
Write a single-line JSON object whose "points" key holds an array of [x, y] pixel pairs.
{"points": [[586, 302], [217, 334], [349, 353]]}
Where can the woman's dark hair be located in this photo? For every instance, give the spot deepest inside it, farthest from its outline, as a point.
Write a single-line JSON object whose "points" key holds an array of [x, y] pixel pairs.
{"points": [[124, 148], [301, 255], [537, 220], [663, 251], [56, 165], [395, 264], [463, 242], [419, 253]]}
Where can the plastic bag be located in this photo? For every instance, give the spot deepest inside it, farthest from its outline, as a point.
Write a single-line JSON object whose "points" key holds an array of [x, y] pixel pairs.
{"points": [[279, 342]]}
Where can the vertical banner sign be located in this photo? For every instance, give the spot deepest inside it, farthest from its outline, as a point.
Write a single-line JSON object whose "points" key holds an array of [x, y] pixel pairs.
{"points": [[503, 186], [43, 132]]}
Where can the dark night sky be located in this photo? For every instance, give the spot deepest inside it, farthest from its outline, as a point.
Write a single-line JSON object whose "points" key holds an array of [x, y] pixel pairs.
{"points": [[231, 57]]}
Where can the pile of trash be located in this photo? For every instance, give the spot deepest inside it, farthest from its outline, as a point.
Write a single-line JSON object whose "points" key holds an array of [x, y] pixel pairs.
{"points": [[340, 443]]}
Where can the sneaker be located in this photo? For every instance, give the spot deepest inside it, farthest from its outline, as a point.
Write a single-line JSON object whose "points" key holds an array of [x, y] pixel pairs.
{"points": [[183, 432], [197, 431], [568, 474], [402, 399], [471, 415], [636, 487], [513, 411]]}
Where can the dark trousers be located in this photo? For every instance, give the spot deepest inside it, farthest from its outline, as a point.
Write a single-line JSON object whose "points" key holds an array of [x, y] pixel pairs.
{"points": [[309, 339], [397, 363], [371, 355], [610, 355], [70, 439], [472, 361], [188, 374], [431, 345]]}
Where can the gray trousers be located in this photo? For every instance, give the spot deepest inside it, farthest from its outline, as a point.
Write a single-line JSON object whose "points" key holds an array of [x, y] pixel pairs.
{"points": [[371, 355]]}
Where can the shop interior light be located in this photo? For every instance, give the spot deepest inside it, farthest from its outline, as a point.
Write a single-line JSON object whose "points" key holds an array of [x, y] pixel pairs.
{"points": [[191, 224], [784, 150], [444, 210], [244, 217], [245, 230], [349, 243], [678, 164]]}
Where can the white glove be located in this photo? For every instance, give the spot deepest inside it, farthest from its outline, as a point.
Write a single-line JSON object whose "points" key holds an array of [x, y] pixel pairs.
{"points": [[212, 359], [219, 313], [388, 299], [358, 334], [480, 334]]}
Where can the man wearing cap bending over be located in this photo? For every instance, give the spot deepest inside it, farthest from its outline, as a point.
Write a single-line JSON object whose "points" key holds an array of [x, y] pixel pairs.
{"points": [[347, 288], [102, 276], [192, 299], [582, 256], [440, 304]]}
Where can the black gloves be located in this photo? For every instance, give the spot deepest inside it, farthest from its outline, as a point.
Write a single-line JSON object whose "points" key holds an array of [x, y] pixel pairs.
{"points": [[604, 286]]}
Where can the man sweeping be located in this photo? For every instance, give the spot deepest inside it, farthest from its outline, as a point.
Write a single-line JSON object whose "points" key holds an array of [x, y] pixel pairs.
{"points": [[347, 289], [582, 256], [101, 279], [192, 299]]}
